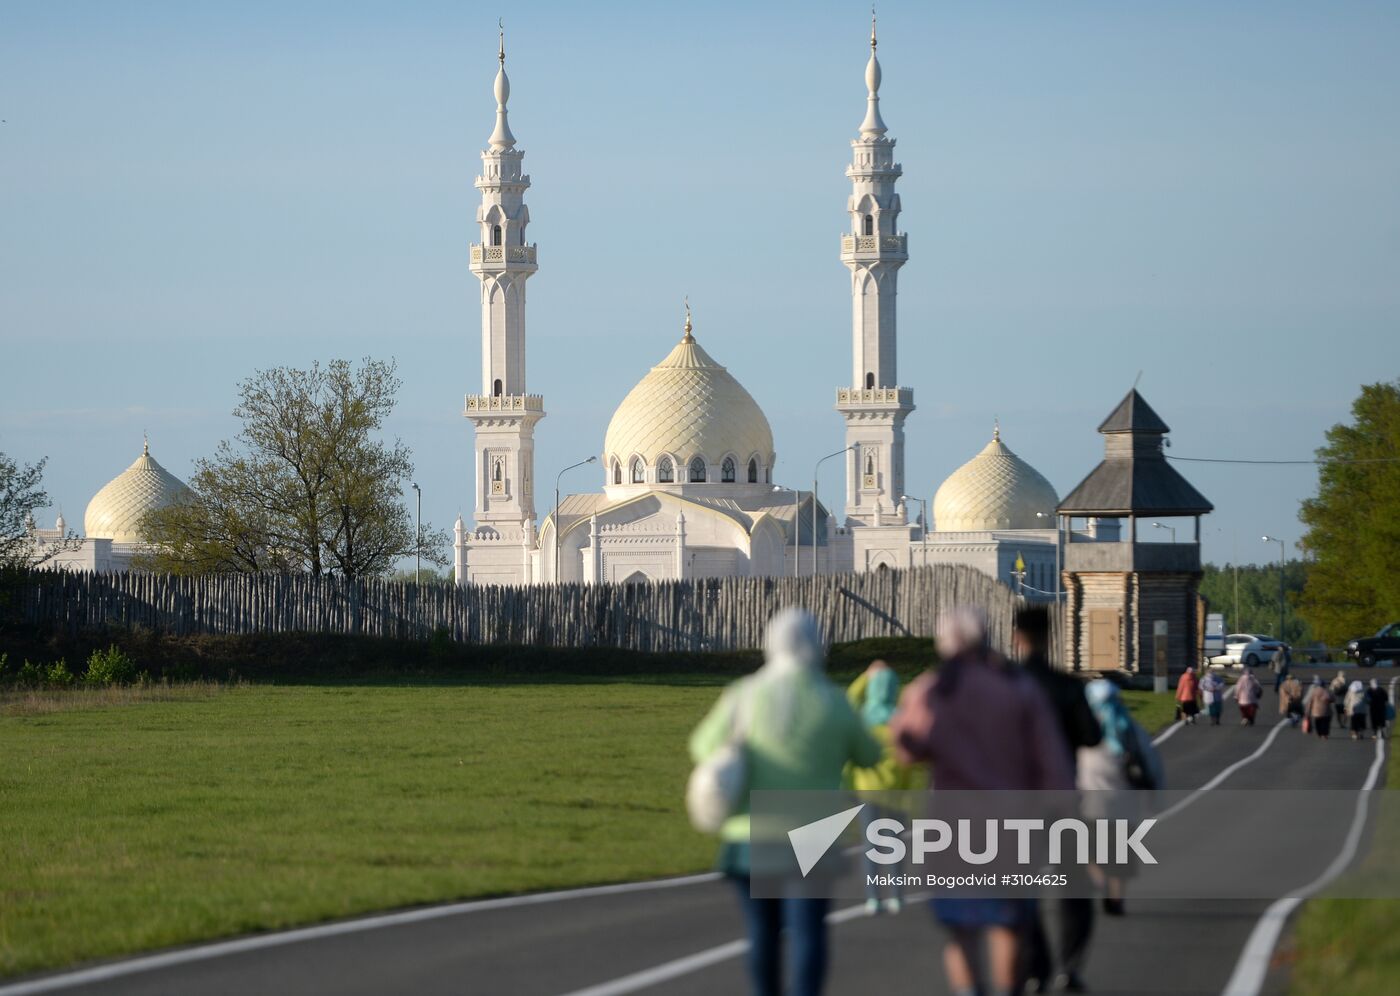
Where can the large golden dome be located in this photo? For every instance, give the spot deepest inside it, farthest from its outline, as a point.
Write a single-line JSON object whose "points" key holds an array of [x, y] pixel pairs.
{"points": [[996, 489], [688, 406], [116, 511]]}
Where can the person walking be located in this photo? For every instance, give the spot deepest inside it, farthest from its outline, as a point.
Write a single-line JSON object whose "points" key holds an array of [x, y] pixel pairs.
{"points": [[1290, 701], [1213, 695], [1317, 709], [1338, 688], [798, 732], [874, 695], [1103, 775], [1079, 728], [1248, 692], [980, 724], [1279, 663], [1356, 709], [1187, 688], [1377, 703]]}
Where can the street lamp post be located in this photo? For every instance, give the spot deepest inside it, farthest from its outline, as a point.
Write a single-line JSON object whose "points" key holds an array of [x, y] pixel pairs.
{"points": [[1162, 525], [418, 537], [1281, 603], [815, 470], [923, 505], [557, 478]]}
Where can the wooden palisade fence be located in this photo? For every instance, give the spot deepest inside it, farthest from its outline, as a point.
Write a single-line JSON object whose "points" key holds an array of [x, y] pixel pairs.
{"points": [[708, 614]]}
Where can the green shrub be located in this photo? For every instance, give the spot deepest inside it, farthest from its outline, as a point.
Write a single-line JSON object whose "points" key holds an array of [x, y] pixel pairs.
{"points": [[110, 667], [30, 675], [58, 674]]}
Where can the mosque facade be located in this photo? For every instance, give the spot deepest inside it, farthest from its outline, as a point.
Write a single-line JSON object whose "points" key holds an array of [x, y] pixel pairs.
{"points": [[688, 458]]}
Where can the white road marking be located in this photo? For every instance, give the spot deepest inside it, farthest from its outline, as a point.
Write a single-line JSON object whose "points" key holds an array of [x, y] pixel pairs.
{"points": [[1224, 773], [219, 949], [1253, 966], [669, 970]]}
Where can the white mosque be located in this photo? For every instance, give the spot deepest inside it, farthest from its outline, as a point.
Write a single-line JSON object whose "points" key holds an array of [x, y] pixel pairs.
{"points": [[112, 523], [688, 458]]}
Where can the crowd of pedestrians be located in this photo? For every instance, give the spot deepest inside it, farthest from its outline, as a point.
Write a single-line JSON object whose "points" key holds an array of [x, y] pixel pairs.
{"points": [[979, 722], [1051, 732]]}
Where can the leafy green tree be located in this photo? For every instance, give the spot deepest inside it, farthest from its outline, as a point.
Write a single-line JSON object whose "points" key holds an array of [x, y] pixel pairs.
{"points": [[21, 495], [1247, 595], [308, 485], [1354, 521]]}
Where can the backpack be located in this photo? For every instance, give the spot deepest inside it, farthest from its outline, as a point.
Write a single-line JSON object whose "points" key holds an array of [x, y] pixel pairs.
{"points": [[1142, 765], [718, 784]]}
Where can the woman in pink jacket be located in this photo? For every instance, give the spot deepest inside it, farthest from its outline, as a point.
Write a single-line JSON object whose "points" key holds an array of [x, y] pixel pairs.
{"points": [[1248, 691], [980, 724]]}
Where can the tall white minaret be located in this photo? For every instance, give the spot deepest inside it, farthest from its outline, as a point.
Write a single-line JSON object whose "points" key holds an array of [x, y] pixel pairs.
{"points": [[874, 406], [503, 414]]}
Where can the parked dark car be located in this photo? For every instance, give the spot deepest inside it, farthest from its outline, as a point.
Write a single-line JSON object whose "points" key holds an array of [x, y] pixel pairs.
{"points": [[1385, 645]]}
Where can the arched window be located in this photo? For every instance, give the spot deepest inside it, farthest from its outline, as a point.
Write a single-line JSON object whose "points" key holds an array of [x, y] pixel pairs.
{"points": [[753, 471], [665, 473], [726, 471], [496, 473], [617, 472], [639, 471], [496, 235], [497, 387], [870, 382], [869, 464], [697, 470], [869, 225]]}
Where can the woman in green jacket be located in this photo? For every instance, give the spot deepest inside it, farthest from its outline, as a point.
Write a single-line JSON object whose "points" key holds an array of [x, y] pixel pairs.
{"points": [[800, 732], [874, 695]]}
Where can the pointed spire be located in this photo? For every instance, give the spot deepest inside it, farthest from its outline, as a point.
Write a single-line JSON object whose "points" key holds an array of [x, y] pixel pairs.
{"points": [[688, 337], [873, 126], [996, 429], [501, 139]]}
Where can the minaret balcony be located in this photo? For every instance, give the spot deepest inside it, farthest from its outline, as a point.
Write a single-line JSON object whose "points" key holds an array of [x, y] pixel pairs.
{"points": [[858, 248], [875, 397], [488, 255], [488, 404]]}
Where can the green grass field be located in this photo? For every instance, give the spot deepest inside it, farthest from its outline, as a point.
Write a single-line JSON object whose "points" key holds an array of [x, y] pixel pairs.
{"points": [[138, 820]]}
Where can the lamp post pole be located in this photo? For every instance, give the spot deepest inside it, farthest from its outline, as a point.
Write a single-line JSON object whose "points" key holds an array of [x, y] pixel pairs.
{"points": [[418, 537], [815, 470], [557, 478], [923, 504], [1059, 535], [1162, 525], [1281, 602]]}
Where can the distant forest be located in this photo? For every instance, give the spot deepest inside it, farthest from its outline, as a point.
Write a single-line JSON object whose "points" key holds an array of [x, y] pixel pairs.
{"points": [[1247, 595]]}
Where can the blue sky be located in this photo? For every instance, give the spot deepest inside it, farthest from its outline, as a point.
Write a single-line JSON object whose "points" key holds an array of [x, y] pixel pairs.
{"points": [[1202, 192]]}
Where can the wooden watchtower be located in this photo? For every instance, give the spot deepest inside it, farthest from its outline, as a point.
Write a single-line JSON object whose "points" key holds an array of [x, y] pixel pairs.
{"points": [[1131, 604]]}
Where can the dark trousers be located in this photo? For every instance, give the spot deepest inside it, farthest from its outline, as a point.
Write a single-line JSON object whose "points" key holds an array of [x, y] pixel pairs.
{"points": [[1076, 926], [804, 922]]}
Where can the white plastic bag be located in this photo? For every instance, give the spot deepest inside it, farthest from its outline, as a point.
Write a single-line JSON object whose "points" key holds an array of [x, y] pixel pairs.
{"points": [[718, 784]]}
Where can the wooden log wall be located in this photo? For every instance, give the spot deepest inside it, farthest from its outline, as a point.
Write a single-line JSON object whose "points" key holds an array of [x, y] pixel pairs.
{"points": [[699, 615]]}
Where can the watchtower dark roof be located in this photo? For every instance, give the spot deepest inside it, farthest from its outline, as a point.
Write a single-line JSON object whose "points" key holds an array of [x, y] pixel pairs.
{"points": [[1134, 414], [1134, 477]]}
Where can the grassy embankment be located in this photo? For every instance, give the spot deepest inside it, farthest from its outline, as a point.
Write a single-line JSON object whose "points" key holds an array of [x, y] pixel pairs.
{"points": [[1348, 945], [140, 818]]}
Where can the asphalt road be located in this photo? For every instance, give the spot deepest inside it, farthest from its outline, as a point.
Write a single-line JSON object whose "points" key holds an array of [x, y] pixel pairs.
{"points": [[684, 938]]}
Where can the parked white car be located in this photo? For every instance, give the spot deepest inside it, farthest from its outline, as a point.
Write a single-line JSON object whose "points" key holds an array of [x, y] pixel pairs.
{"points": [[1247, 649]]}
